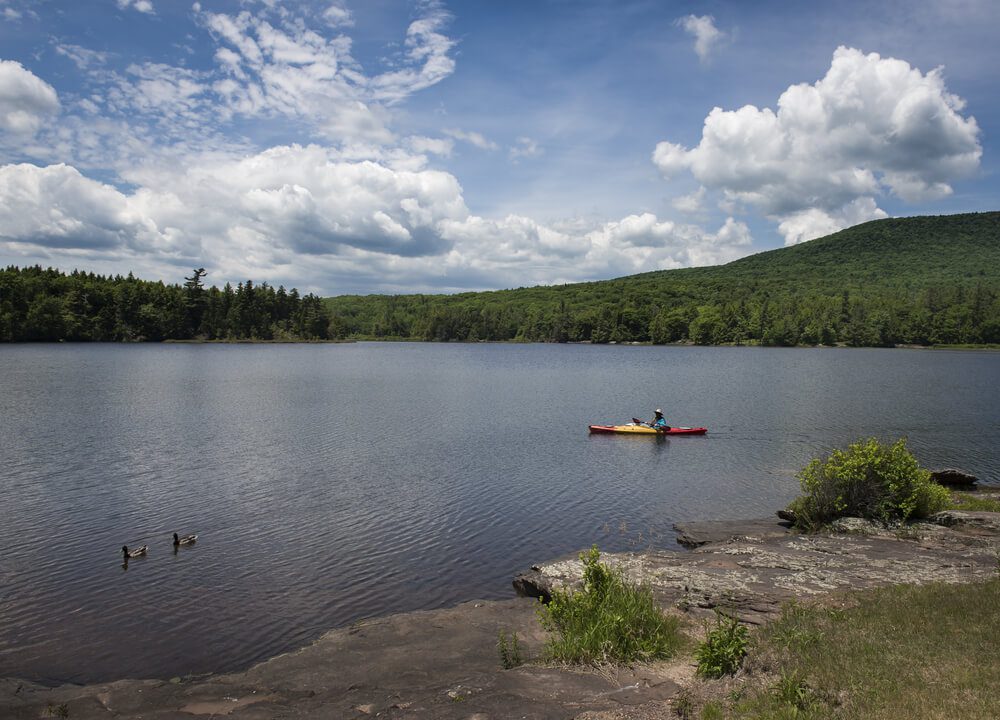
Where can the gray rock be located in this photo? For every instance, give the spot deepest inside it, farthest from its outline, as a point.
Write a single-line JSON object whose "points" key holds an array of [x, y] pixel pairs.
{"points": [[988, 522], [752, 574], [856, 526], [696, 534]]}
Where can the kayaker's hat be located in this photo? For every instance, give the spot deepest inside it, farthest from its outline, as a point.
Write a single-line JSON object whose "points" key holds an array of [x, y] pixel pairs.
{"points": [[658, 411]]}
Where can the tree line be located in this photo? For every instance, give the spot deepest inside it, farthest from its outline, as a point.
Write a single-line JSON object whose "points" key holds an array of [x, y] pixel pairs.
{"points": [[39, 304], [920, 280], [934, 315]]}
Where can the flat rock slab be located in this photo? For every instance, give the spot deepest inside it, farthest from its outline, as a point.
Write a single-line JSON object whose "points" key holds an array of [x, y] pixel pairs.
{"points": [[696, 534], [756, 568], [436, 664]]}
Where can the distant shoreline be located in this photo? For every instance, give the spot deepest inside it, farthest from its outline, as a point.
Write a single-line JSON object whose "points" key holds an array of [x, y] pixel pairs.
{"points": [[343, 341]]}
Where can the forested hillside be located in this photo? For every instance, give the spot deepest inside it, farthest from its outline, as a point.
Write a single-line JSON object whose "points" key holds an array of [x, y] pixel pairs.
{"points": [[37, 304], [921, 280]]}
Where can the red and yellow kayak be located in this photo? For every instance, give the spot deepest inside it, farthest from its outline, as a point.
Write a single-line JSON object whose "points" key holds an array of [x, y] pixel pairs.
{"points": [[636, 429]]}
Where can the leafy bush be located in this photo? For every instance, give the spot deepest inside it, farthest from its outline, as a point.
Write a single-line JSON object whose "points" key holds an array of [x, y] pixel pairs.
{"points": [[723, 649], [609, 620], [868, 480]]}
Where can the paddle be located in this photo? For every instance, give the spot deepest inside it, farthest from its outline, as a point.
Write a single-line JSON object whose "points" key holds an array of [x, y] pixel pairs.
{"points": [[658, 428]]}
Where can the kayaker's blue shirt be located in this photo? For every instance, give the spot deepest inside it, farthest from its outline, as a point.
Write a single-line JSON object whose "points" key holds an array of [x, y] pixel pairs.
{"points": [[660, 422]]}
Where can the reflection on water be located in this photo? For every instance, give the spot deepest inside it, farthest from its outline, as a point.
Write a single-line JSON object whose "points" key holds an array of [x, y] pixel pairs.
{"points": [[329, 483]]}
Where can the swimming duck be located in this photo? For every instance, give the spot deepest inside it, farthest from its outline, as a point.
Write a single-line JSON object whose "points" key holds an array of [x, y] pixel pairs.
{"points": [[184, 539], [134, 553]]}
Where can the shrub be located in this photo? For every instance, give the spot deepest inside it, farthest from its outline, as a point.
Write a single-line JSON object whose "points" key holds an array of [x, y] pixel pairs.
{"points": [[868, 480], [723, 649], [510, 650], [608, 621]]}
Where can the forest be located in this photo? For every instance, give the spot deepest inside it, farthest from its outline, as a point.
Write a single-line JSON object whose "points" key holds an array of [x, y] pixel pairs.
{"points": [[919, 280], [49, 305], [900, 281]]}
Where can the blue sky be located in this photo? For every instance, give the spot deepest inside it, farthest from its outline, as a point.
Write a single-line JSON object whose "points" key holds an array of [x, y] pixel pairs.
{"points": [[429, 146]]}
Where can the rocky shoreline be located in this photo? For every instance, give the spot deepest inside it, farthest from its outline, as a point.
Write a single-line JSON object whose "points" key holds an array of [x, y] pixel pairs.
{"points": [[445, 664]]}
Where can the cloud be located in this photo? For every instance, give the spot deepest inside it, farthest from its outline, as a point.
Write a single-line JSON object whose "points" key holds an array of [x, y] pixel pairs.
{"points": [[473, 138], [691, 203], [295, 199], [274, 73], [706, 36], [338, 16], [57, 207], [434, 146], [425, 62], [870, 125], [303, 215], [26, 101], [143, 6], [82, 57], [524, 147], [279, 66]]}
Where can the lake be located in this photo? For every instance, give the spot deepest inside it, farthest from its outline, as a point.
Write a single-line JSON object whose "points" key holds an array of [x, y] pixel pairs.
{"points": [[330, 483]]}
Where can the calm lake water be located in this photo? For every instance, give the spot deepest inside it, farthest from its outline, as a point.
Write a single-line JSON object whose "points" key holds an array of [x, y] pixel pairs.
{"points": [[329, 483]]}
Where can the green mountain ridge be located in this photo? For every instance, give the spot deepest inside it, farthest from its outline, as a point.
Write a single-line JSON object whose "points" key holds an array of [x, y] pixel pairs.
{"points": [[918, 280]]}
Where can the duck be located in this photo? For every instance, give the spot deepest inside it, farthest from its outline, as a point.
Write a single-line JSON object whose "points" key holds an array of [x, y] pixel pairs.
{"points": [[184, 539], [139, 551]]}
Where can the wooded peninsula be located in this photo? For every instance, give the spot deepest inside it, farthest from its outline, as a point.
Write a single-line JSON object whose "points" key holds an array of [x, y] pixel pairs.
{"points": [[900, 281]]}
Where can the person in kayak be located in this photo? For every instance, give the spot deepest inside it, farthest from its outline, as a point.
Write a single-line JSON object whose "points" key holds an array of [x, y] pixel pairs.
{"points": [[658, 422]]}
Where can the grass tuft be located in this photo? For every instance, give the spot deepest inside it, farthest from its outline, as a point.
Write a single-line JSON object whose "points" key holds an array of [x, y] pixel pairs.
{"points": [[608, 621]]}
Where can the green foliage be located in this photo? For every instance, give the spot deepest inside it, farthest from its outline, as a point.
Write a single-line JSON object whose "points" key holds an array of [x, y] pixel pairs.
{"points": [[48, 305], [608, 621], [918, 280], [723, 649], [868, 480], [510, 650]]}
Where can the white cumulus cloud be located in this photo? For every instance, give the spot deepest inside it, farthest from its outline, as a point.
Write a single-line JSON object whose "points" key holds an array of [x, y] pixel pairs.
{"points": [[26, 101], [57, 207], [818, 162], [303, 215]]}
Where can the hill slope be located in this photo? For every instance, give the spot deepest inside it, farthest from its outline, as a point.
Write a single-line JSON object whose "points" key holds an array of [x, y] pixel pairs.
{"points": [[916, 280]]}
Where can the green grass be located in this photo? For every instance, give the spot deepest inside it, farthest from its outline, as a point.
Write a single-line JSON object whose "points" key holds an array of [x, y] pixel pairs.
{"points": [[902, 652], [608, 621], [974, 502]]}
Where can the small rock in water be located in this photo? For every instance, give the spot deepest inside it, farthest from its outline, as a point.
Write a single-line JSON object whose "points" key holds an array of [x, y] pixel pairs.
{"points": [[954, 478]]}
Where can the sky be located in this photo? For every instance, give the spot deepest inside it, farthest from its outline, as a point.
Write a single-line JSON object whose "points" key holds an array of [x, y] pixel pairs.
{"points": [[396, 146]]}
